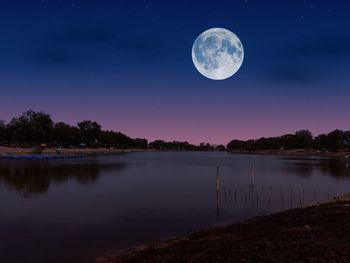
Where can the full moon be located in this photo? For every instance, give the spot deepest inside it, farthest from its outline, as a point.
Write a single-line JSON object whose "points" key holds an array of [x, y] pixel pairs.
{"points": [[217, 53]]}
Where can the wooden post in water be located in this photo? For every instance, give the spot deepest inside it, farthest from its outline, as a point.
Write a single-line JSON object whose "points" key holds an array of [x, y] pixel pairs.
{"points": [[252, 177], [217, 192], [229, 193], [217, 180], [225, 193], [217, 205], [328, 194], [315, 194]]}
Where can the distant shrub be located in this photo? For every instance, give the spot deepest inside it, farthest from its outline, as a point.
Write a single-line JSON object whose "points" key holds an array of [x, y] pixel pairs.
{"points": [[37, 151]]}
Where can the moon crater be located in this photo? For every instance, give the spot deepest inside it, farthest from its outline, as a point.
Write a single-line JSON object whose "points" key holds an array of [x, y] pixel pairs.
{"points": [[217, 53]]}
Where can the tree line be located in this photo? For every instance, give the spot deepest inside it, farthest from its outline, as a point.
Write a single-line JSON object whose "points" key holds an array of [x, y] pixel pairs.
{"points": [[37, 128], [336, 140], [185, 146]]}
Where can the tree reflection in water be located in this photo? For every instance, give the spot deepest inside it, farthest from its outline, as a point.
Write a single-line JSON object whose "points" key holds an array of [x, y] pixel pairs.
{"points": [[305, 166], [35, 177]]}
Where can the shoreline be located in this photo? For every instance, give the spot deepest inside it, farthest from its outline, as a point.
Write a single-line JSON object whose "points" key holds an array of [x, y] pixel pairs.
{"points": [[5, 150], [296, 152], [317, 233]]}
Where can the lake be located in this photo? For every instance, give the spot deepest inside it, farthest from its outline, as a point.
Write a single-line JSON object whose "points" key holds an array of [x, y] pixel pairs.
{"points": [[76, 210]]}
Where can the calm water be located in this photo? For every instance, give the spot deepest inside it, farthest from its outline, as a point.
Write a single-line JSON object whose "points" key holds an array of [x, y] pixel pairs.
{"points": [[75, 210]]}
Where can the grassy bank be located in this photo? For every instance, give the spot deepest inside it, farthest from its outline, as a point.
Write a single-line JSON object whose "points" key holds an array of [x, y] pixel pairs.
{"points": [[68, 151], [319, 233]]}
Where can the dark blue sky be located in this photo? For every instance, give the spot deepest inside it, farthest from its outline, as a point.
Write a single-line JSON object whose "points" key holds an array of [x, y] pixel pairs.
{"points": [[127, 65]]}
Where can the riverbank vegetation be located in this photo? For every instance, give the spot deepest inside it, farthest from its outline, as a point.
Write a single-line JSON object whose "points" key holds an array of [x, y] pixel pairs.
{"points": [[334, 141], [37, 128]]}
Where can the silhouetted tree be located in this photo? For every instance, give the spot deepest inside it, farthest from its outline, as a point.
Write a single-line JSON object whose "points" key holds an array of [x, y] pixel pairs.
{"points": [[158, 145], [31, 128], [65, 135], [220, 148], [303, 139], [336, 140], [347, 139], [174, 145], [89, 131], [3, 132], [140, 143], [236, 145], [34, 128]]}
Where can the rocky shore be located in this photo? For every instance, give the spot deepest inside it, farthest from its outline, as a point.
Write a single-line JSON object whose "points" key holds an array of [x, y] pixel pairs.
{"points": [[319, 233]]}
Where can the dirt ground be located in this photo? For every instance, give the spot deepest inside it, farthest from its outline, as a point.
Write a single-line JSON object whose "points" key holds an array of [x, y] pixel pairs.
{"points": [[318, 233]]}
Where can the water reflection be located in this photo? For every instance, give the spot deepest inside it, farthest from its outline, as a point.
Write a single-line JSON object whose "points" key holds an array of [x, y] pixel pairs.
{"points": [[29, 178], [263, 192], [263, 198], [305, 167], [112, 202]]}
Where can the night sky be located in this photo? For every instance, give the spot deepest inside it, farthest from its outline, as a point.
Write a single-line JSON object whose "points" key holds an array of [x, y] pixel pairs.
{"points": [[128, 65]]}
